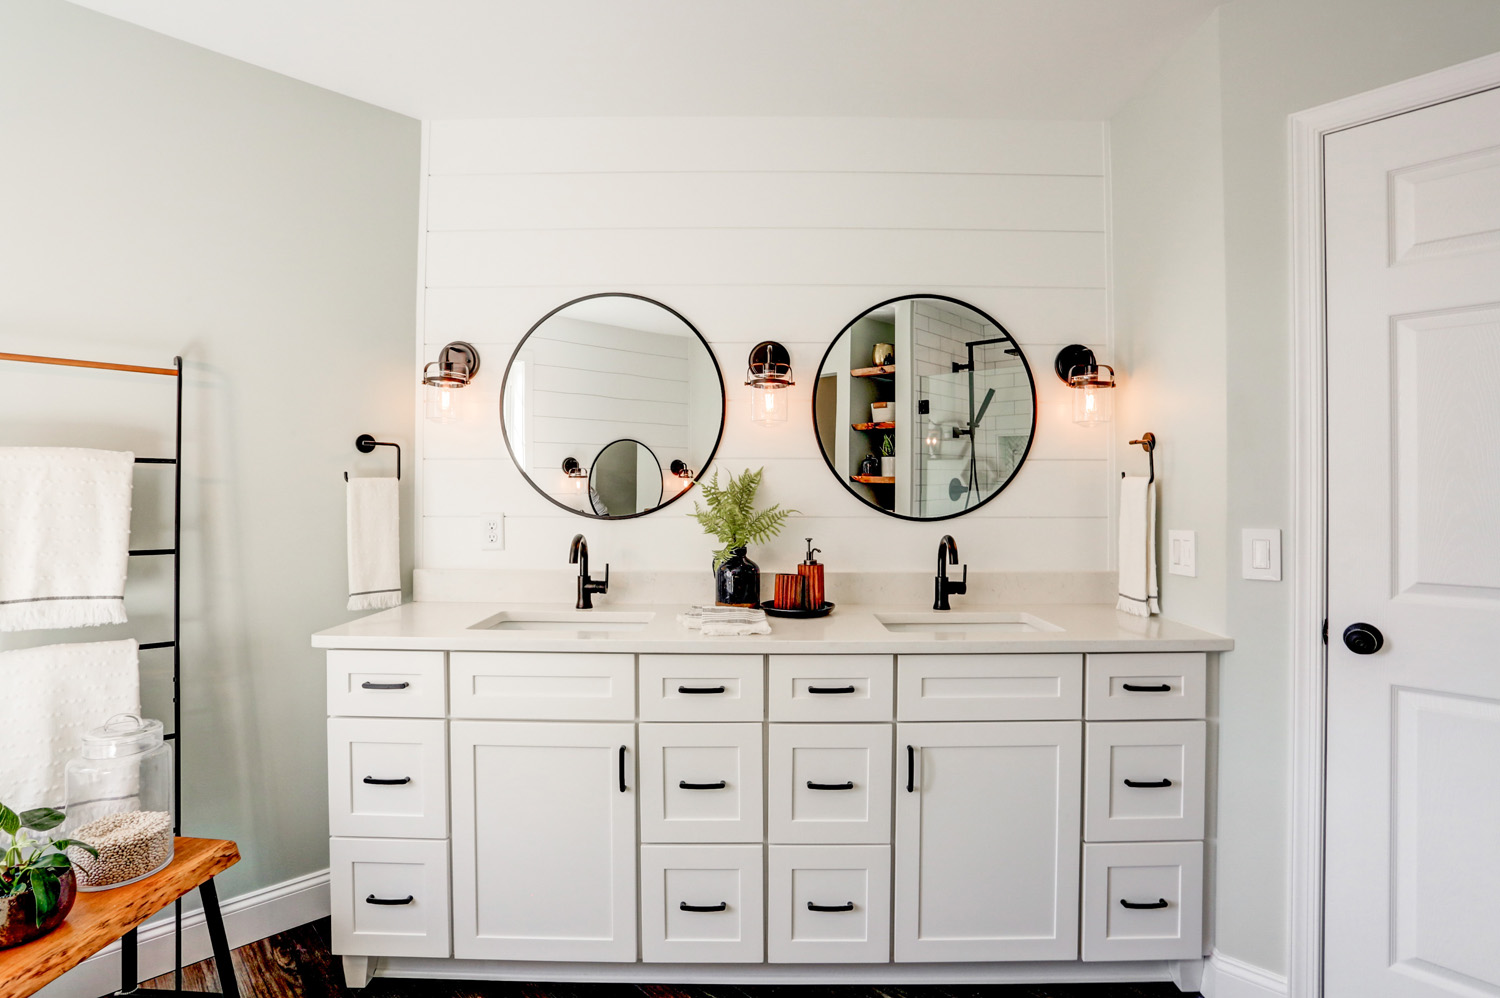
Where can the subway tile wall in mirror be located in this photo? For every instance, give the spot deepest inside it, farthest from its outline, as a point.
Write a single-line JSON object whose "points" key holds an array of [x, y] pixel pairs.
{"points": [[759, 229]]}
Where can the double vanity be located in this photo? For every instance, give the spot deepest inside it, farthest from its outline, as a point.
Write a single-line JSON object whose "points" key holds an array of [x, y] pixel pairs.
{"points": [[884, 794]]}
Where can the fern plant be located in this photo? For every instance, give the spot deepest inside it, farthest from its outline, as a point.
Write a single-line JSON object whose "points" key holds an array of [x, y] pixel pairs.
{"points": [[731, 515]]}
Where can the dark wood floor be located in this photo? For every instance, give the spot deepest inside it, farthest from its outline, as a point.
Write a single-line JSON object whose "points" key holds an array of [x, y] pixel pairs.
{"points": [[298, 964]]}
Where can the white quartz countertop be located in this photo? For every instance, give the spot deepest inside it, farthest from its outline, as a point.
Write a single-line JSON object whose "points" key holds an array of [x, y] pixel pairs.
{"points": [[850, 629]]}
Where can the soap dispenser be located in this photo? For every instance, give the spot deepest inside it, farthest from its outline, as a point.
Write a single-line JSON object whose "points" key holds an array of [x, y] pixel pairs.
{"points": [[811, 571]]}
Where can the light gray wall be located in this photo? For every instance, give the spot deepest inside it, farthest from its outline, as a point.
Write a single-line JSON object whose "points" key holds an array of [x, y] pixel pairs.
{"points": [[160, 199], [1276, 57]]}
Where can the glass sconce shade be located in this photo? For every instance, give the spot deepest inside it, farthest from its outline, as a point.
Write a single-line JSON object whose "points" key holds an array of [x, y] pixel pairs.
{"points": [[575, 473], [1093, 384], [438, 402], [767, 375], [455, 367]]}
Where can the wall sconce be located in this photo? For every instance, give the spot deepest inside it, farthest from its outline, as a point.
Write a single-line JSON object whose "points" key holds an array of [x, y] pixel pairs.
{"points": [[575, 471], [1094, 398], [455, 367], [768, 373], [680, 469]]}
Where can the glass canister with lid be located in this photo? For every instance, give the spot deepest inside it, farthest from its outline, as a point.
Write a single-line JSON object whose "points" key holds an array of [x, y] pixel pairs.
{"points": [[120, 802]]}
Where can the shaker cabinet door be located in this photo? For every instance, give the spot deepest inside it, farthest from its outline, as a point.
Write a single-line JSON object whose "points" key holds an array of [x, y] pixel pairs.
{"points": [[543, 841], [987, 840]]}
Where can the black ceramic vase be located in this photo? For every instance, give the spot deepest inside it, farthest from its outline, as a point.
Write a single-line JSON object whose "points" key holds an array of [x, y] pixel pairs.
{"points": [[737, 582]]}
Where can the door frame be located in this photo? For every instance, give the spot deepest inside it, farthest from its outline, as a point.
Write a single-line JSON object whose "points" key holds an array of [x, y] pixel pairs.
{"points": [[1309, 341]]}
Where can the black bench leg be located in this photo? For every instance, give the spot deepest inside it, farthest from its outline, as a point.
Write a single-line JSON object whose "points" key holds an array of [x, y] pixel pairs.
{"points": [[128, 973], [228, 986]]}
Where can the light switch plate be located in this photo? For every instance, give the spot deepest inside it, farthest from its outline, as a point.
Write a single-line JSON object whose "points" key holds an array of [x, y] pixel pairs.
{"points": [[1182, 552], [1261, 554]]}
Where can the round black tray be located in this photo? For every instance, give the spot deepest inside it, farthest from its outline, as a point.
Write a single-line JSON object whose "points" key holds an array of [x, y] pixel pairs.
{"points": [[770, 607]]}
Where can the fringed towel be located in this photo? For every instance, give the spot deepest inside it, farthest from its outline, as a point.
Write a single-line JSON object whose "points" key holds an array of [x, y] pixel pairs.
{"points": [[54, 695], [64, 536], [725, 621], [374, 544], [1138, 547]]}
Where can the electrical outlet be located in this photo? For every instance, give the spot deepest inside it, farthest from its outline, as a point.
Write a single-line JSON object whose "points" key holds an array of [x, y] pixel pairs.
{"points": [[1182, 552], [492, 532]]}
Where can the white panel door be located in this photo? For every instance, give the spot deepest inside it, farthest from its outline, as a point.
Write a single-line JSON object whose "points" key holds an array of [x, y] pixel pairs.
{"points": [[1413, 793], [701, 783], [543, 841], [703, 904], [829, 783], [987, 840]]}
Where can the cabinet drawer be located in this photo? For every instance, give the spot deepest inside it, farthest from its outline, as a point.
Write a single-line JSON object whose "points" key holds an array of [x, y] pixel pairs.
{"points": [[1143, 901], [558, 686], [1144, 686], [829, 783], [702, 687], [410, 876], [828, 904], [702, 904], [830, 687], [1143, 780], [386, 683], [387, 777], [701, 783], [989, 687]]}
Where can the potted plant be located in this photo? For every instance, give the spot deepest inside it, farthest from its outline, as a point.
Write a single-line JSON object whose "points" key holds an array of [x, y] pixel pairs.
{"points": [[731, 516], [887, 456], [37, 886]]}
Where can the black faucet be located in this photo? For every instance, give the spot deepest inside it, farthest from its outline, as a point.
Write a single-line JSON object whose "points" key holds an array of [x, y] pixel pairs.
{"points": [[941, 587], [578, 555]]}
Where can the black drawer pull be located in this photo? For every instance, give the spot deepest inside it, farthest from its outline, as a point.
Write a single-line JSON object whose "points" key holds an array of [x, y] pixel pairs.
{"points": [[846, 906], [1148, 784], [700, 689], [402, 781], [684, 784], [830, 786], [721, 906], [911, 769], [372, 899], [623, 788], [384, 686], [1158, 903], [1163, 688], [830, 689]]}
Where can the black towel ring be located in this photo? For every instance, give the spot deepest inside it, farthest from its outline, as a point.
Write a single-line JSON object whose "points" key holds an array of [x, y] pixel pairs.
{"points": [[364, 443], [1148, 442]]}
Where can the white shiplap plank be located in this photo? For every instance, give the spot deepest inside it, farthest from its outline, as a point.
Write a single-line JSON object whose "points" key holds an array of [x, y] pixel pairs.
{"points": [[765, 200]]}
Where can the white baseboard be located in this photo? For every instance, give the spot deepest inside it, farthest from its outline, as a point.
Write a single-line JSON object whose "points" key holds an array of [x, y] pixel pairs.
{"points": [[247, 918], [1226, 977]]}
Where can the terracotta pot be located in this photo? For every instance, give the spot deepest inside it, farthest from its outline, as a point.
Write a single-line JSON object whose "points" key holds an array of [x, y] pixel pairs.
{"points": [[18, 913]]}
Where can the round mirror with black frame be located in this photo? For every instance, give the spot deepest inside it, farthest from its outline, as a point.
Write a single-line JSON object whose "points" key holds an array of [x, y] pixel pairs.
{"points": [[602, 390], [924, 407]]}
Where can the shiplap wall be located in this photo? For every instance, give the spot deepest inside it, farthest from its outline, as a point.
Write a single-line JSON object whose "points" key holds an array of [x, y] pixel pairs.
{"points": [[754, 229]]}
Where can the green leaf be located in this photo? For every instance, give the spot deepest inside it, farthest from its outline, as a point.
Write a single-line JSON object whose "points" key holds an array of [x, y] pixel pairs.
{"points": [[39, 819], [10, 821], [44, 886], [51, 860], [75, 843]]}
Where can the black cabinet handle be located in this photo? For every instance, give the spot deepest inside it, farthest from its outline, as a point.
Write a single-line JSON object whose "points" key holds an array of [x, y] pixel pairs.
{"points": [[830, 689], [846, 906], [721, 906], [911, 769], [830, 786], [623, 787], [700, 689], [1147, 784], [1158, 903], [384, 686], [388, 783], [1163, 688], [684, 784], [372, 899]]}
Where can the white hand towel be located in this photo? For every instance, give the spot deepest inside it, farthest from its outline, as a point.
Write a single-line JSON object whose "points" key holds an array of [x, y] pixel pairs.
{"points": [[1138, 547], [64, 536], [54, 695], [725, 621], [374, 544]]}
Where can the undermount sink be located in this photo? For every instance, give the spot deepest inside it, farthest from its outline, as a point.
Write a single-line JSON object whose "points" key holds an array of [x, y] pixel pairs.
{"points": [[960, 622], [565, 621]]}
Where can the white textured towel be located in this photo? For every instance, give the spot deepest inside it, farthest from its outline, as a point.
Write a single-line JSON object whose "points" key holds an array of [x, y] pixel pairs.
{"points": [[374, 544], [64, 536], [725, 621], [1138, 547], [54, 695]]}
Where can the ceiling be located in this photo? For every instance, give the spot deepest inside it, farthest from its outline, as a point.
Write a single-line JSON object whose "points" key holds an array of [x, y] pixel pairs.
{"points": [[442, 59]]}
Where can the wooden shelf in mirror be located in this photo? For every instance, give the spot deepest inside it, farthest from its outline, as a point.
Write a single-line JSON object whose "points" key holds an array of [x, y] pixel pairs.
{"points": [[874, 426], [874, 479], [873, 372]]}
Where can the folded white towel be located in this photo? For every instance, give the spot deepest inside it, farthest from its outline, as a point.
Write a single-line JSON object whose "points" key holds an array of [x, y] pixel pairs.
{"points": [[64, 536], [725, 621], [1138, 547], [54, 695], [374, 544]]}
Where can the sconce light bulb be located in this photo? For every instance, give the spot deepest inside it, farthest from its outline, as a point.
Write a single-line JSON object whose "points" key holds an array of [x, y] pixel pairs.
{"points": [[1089, 402], [446, 399], [770, 397]]}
